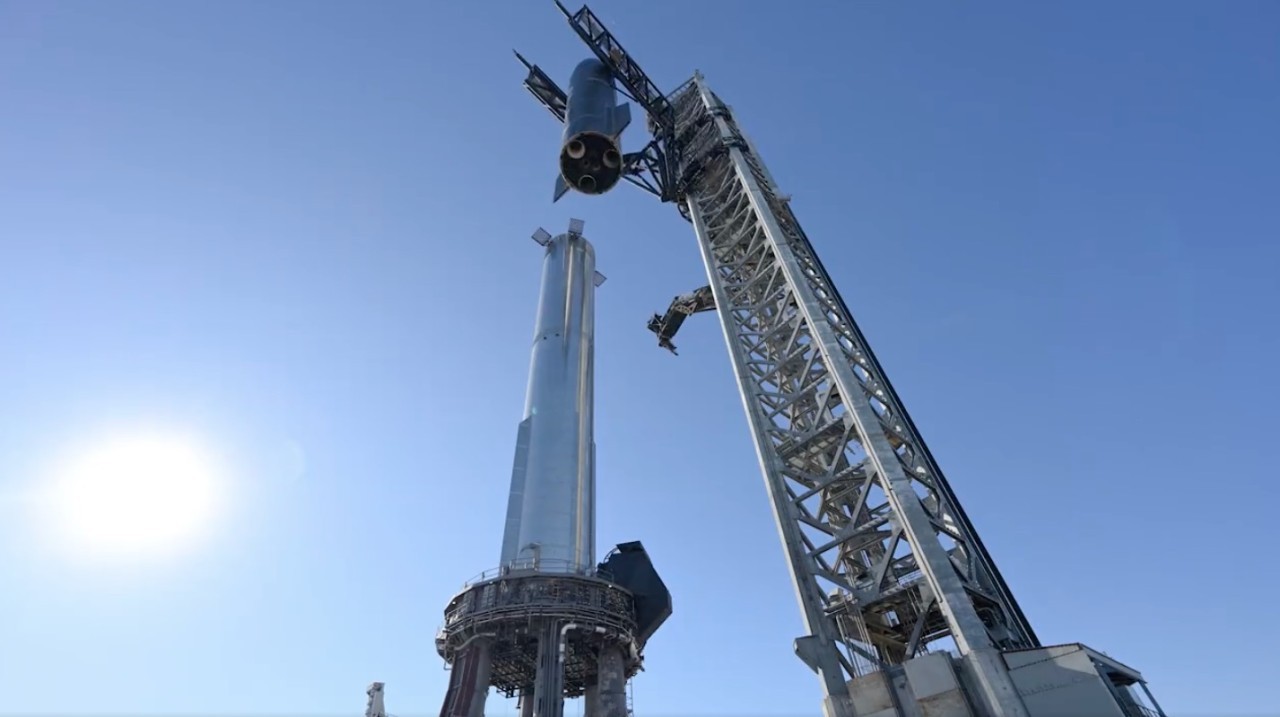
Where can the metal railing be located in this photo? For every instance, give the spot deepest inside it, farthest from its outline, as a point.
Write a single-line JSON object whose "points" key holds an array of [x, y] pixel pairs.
{"points": [[1133, 709], [535, 565]]}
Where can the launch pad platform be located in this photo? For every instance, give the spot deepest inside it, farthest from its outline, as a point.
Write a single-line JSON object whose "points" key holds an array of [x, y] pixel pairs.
{"points": [[514, 610], [549, 630]]}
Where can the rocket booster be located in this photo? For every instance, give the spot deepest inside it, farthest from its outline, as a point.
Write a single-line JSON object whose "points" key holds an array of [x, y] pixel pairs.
{"points": [[550, 523], [591, 642], [591, 150]]}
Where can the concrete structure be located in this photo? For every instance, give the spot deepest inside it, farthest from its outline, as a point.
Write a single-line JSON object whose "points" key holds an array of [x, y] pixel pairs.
{"points": [[550, 622], [904, 608]]}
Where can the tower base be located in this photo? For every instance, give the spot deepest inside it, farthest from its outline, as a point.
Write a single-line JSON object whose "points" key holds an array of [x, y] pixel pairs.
{"points": [[542, 637], [1059, 681]]}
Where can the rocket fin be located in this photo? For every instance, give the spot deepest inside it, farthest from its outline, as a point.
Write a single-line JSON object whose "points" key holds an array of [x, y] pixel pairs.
{"points": [[515, 501], [561, 187], [621, 118], [598, 279]]}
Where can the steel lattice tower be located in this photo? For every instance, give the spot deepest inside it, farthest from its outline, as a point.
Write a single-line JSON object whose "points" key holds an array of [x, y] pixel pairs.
{"points": [[882, 556], [884, 561]]}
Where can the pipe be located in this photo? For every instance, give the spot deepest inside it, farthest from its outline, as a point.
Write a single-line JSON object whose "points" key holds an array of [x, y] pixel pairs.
{"points": [[564, 632], [473, 638]]}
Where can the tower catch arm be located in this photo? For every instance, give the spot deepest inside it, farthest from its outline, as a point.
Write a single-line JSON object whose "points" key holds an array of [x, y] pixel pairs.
{"points": [[544, 89], [636, 83], [684, 305]]}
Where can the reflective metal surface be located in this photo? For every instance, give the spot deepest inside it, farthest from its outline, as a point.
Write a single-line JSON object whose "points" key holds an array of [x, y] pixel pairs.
{"points": [[591, 153], [551, 510]]}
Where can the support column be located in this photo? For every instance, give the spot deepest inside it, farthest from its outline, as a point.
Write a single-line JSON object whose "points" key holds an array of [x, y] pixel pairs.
{"points": [[469, 682], [613, 682], [548, 690], [994, 685], [591, 701]]}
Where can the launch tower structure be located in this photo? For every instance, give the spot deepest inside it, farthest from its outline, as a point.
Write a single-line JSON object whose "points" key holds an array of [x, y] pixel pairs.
{"points": [[905, 610]]}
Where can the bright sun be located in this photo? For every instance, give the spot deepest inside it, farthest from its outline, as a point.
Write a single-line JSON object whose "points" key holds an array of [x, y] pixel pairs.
{"points": [[137, 494]]}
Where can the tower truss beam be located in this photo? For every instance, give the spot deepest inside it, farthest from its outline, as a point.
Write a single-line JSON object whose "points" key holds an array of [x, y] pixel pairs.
{"points": [[883, 559]]}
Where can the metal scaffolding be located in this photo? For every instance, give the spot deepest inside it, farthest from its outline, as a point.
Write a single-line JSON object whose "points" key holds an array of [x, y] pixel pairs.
{"points": [[883, 559]]}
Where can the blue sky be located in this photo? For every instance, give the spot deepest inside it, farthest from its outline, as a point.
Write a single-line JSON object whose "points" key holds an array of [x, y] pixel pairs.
{"points": [[299, 231]]}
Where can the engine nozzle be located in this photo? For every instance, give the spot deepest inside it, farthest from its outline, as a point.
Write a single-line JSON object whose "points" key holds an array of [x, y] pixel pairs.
{"points": [[591, 162]]}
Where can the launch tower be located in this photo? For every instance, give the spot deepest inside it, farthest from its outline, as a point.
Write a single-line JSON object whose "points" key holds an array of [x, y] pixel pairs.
{"points": [[550, 622], [904, 608]]}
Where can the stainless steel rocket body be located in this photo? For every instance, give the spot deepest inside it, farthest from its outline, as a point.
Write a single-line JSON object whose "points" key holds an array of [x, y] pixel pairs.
{"points": [[551, 623], [591, 151], [550, 524]]}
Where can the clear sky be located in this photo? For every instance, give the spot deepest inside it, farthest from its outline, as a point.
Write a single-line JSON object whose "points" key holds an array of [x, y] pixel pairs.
{"points": [[298, 232]]}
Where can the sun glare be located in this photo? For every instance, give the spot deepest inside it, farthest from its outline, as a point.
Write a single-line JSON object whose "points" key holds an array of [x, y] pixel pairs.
{"points": [[137, 494]]}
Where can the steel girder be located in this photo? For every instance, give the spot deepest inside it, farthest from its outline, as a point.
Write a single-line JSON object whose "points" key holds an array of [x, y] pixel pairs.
{"points": [[883, 559]]}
